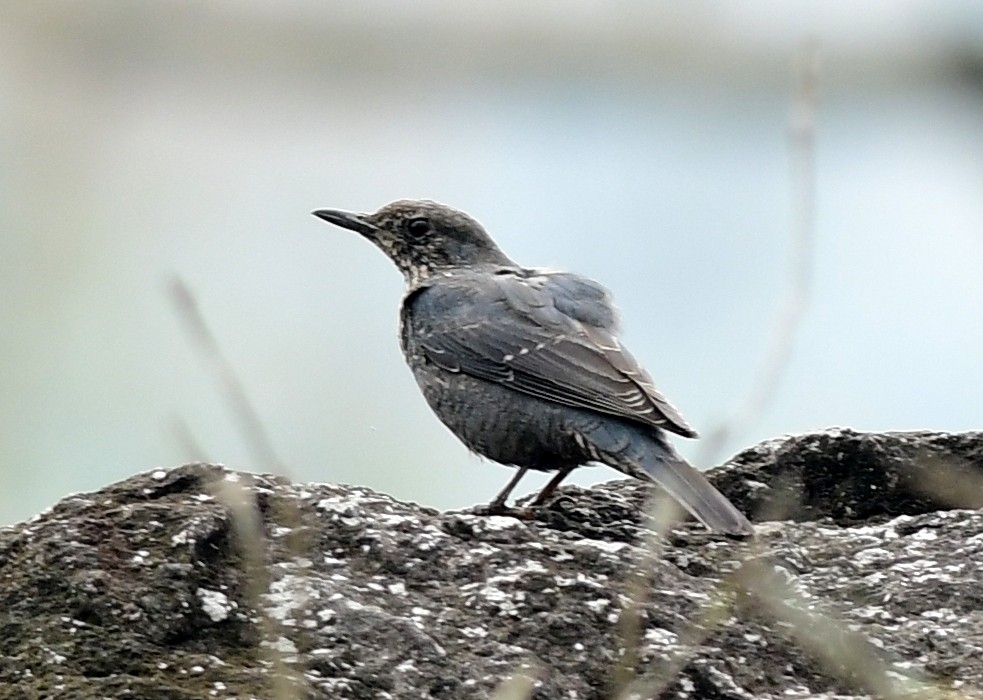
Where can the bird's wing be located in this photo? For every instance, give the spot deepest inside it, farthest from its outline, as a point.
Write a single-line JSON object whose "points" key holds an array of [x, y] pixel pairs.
{"points": [[550, 335]]}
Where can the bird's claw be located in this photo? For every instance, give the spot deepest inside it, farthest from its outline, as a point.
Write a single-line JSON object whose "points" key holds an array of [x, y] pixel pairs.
{"points": [[494, 508]]}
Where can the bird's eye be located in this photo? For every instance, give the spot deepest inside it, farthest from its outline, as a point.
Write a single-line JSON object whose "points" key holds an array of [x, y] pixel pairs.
{"points": [[418, 228]]}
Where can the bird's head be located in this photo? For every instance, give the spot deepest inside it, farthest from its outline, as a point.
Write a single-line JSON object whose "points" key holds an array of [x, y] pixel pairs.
{"points": [[422, 237]]}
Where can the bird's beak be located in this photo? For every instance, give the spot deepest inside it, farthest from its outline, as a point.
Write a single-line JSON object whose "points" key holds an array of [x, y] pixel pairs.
{"points": [[350, 220]]}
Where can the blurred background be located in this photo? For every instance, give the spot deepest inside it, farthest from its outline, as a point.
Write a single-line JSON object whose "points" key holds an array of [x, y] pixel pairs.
{"points": [[643, 144]]}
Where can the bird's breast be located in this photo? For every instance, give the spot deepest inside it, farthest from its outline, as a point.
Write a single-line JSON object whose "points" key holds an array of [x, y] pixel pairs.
{"points": [[498, 423]]}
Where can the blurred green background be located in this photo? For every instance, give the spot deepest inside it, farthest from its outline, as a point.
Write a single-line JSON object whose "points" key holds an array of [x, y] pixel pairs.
{"points": [[643, 144]]}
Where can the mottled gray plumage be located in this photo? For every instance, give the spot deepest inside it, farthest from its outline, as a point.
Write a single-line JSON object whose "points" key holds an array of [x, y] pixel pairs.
{"points": [[524, 365]]}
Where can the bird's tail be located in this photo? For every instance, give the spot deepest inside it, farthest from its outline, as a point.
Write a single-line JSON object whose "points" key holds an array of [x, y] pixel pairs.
{"points": [[639, 453]]}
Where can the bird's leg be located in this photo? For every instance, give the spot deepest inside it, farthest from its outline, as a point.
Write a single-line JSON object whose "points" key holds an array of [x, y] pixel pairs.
{"points": [[551, 486], [498, 503]]}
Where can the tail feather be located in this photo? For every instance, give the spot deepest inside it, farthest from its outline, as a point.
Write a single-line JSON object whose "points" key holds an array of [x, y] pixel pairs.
{"points": [[640, 454], [697, 495]]}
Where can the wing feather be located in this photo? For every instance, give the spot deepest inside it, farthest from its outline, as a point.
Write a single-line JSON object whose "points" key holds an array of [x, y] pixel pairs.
{"points": [[549, 335]]}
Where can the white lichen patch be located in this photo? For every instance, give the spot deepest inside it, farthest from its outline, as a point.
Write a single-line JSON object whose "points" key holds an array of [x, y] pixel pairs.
{"points": [[925, 535], [482, 550], [430, 538], [215, 604], [283, 646], [940, 614], [661, 637], [918, 566], [531, 566], [140, 557], [872, 612], [291, 596], [499, 522], [581, 579], [495, 595], [182, 538], [598, 604], [603, 545], [394, 519], [54, 657], [336, 505], [872, 555]]}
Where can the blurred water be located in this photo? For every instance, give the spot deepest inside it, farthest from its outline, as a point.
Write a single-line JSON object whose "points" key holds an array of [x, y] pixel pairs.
{"points": [[122, 173]]}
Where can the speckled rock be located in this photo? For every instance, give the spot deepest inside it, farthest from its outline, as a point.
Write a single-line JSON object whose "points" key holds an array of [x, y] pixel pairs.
{"points": [[201, 582]]}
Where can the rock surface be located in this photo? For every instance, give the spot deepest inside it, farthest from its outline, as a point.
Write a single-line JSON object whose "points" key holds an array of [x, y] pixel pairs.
{"points": [[200, 582]]}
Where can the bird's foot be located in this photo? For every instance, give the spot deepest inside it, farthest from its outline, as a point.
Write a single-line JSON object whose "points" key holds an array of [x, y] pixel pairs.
{"points": [[497, 508]]}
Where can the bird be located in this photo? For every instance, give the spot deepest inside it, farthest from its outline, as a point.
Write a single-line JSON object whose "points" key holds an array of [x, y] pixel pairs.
{"points": [[524, 365]]}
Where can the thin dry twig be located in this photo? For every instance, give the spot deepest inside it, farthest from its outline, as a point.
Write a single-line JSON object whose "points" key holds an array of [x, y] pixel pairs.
{"points": [[847, 654], [781, 347], [762, 394], [954, 482], [658, 517], [654, 683], [521, 684], [237, 493], [250, 426]]}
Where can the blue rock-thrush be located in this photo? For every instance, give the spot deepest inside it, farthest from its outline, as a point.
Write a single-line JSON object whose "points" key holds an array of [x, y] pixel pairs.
{"points": [[524, 365]]}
